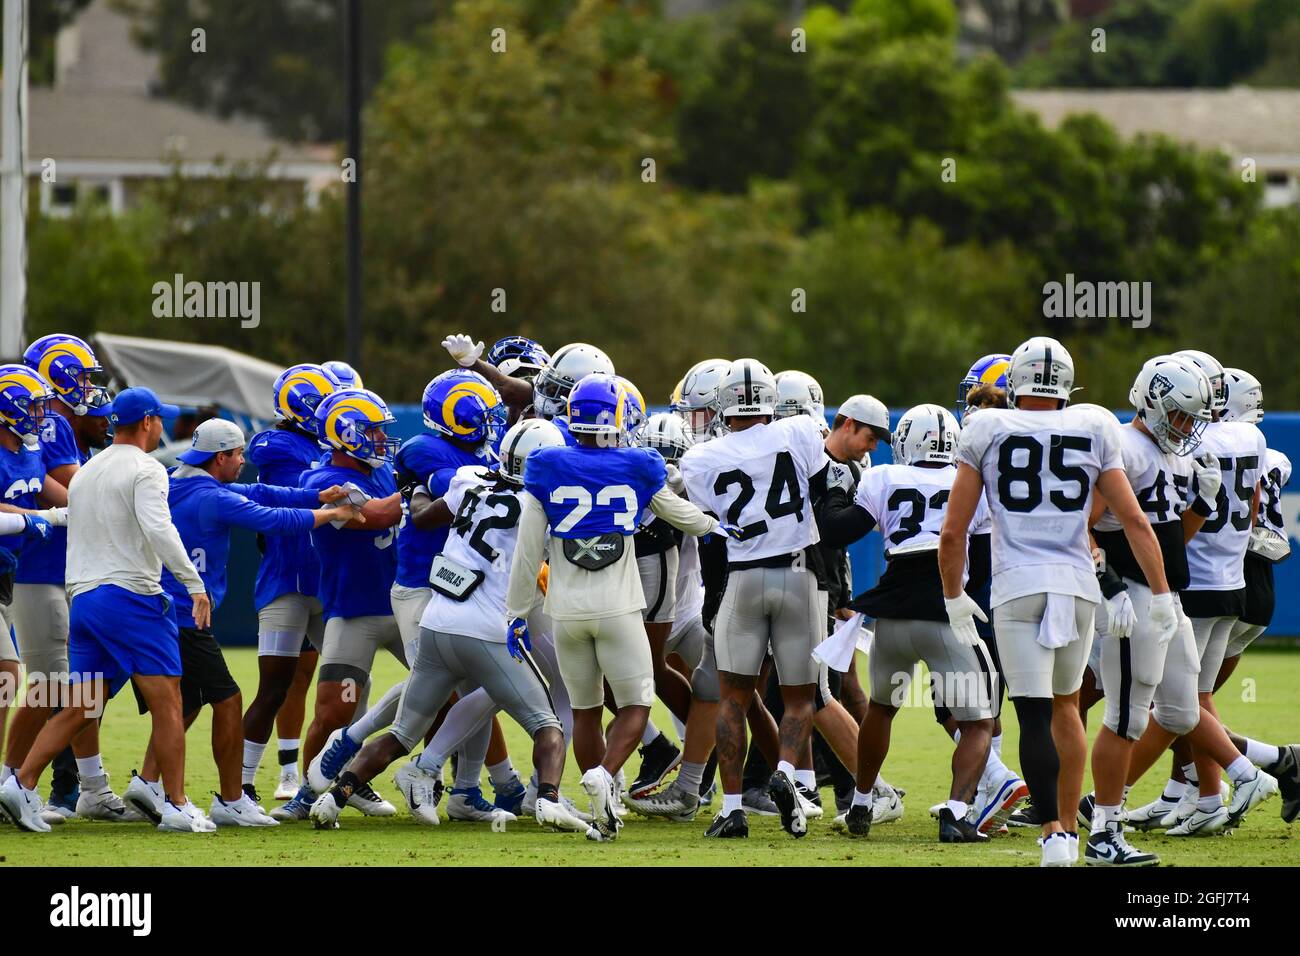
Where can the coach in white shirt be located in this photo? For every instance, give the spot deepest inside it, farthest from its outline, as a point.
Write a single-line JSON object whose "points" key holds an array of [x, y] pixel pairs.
{"points": [[121, 625]]}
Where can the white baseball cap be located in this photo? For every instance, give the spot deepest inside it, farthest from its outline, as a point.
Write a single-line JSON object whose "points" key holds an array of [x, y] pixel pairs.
{"points": [[212, 436], [867, 411]]}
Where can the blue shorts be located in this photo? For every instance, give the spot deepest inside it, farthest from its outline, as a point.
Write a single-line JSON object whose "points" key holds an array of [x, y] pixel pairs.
{"points": [[114, 633]]}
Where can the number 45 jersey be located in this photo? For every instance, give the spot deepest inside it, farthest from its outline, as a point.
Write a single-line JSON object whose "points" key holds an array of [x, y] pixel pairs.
{"points": [[1039, 469], [758, 479]]}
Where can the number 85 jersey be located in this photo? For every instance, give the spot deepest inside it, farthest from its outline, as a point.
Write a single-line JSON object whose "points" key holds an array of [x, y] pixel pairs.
{"points": [[757, 479], [1039, 469]]}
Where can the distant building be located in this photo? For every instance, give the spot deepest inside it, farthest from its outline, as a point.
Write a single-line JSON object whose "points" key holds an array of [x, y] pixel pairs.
{"points": [[1262, 125], [107, 133]]}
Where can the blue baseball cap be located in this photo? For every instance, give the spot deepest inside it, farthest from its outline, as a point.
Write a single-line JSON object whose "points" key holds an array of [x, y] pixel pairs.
{"points": [[132, 404]]}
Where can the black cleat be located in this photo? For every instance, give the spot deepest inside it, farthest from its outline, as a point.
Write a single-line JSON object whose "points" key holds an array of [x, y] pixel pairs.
{"points": [[787, 803], [858, 821], [733, 826], [1086, 806], [1287, 772], [1109, 848], [1026, 816], [658, 759], [953, 830]]}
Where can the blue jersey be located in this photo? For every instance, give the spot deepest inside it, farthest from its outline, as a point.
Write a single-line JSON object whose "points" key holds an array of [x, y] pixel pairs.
{"points": [[433, 461], [562, 423], [22, 474], [289, 564], [588, 492], [44, 561], [204, 511], [357, 566]]}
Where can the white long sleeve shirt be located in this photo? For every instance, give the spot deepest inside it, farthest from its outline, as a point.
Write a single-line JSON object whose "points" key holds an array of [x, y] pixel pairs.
{"points": [[120, 530]]}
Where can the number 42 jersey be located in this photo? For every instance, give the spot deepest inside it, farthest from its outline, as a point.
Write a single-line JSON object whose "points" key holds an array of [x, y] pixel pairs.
{"points": [[1039, 469]]}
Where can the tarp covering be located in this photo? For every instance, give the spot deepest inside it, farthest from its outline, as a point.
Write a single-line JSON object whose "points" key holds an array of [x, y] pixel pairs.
{"points": [[183, 373]]}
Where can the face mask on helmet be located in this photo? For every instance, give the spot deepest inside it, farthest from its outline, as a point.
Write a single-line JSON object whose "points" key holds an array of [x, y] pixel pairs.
{"points": [[463, 406], [24, 397], [926, 434], [666, 434], [555, 383], [70, 370], [356, 422], [1174, 403]]}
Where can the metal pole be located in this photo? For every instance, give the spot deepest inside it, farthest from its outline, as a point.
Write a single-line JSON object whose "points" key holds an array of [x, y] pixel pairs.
{"points": [[13, 182], [352, 69]]}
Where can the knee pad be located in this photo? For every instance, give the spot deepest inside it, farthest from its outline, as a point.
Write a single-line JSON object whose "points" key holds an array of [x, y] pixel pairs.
{"points": [[704, 685], [1126, 719], [1178, 719]]}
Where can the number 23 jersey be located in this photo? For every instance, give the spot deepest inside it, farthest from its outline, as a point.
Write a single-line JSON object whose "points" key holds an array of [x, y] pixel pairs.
{"points": [[758, 479], [1039, 468]]}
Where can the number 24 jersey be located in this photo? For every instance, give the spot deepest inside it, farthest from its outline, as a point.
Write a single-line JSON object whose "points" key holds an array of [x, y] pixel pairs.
{"points": [[1039, 469]]}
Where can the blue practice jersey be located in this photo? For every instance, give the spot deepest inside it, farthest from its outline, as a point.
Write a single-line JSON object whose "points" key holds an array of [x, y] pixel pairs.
{"points": [[433, 461], [562, 423], [44, 561], [588, 492], [357, 567], [204, 511], [289, 564], [22, 474]]}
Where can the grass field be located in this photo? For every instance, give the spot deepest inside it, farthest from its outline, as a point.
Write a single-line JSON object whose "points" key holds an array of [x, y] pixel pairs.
{"points": [[1260, 700]]}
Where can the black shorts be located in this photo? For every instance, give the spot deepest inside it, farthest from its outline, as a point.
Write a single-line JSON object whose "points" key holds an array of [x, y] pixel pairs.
{"points": [[1260, 597], [1214, 603], [205, 678]]}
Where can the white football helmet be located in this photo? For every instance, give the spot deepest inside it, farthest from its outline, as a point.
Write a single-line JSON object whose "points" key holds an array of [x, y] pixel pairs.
{"points": [[1169, 386], [1042, 368], [697, 402], [568, 365], [1213, 370], [666, 433], [798, 393], [1245, 397], [522, 440], [749, 388], [926, 434]]}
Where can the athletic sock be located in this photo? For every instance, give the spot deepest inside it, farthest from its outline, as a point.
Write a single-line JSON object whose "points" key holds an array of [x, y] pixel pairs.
{"points": [[1262, 754], [690, 776], [90, 766], [549, 791], [651, 732], [861, 799], [881, 784], [681, 727], [958, 808], [348, 783], [1209, 804], [1189, 771], [1174, 790], [996, 747], [731, 802], [1241, 770], [501, 773], [806, 777], [288, 750], [252, 760]]}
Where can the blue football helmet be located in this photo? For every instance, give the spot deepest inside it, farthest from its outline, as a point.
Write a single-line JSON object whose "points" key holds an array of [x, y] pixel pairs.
{"points": [[463, 405], [599, 405], [355, 421], [299, 390], [348, 376], [518, 357], [67, 364], [989, 370], [635, 412], [23, 398]]}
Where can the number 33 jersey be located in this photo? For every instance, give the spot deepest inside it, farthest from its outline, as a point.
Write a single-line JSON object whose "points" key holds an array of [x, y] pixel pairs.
{"points": [[1039, 469], [757, 479]]}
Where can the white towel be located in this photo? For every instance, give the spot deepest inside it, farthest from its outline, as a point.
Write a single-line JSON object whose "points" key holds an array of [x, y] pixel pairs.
{"points": [[1057, 627], [836, 652]]}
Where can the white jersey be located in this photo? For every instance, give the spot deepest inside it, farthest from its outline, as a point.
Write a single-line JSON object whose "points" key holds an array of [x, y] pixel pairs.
{"points": [[908, 503], [1277, 475], [1039, 469], [482, 538], [758, 479], [1216, 553]]}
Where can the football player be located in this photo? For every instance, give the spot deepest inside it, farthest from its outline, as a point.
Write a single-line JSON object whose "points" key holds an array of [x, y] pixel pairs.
{"points": [[591, 496], [696, 398], [512, 365], [1037, 464], [989, 371]]}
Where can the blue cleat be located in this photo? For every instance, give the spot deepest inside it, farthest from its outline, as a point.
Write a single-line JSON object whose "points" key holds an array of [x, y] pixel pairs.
{"points": [[299, 808], [510, 797], [329, 763], [467, 803]]}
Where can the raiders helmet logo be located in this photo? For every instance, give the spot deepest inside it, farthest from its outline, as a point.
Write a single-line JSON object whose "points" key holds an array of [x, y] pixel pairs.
{"points": [[1160, 387]]}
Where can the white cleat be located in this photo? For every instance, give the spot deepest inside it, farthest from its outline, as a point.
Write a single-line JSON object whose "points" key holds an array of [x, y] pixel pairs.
{"points": [[934, 810], [467, 804], [530, 804], [97, 801], [22, 807], [145, 798], [811, 810], [1150, 816], [1201, 823], [552, 815], [599, 787], [371, 804], [422, 791], [1250, 794], [289, 782], [239, 813], [186, 819], [324, 813], [840, 823], [886, 806], [1185, 807], [1057, 850], [55, 815]]}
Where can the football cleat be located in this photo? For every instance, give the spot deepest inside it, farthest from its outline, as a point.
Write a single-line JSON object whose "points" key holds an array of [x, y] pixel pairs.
{"points": [[329, 763], [887, 805], [658, 759], [422, 790], [510, 797], [732, 826], [1150, 816], [289, 782], [467, 804], [599, 787], [1057, 850], [1288, 780], [675, 802], [553, 815], [781, 789], [709, 792], [1000, 804], [857, 820], [1109, 848], [810, 800], [370, 803], [22, 807], [1200, 823], [529, 805], [243, 812], [324, 813], [953, 830], [756, 800], [1026, 816], [186, 819], [1086, 805], [63, 806], [298, 808], [98, 802], [1249, 794], [145, 798]]}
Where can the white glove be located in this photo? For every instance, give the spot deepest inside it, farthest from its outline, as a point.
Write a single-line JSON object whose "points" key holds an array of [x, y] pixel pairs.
{"points": [[1163, 617], [676, 483], [1120, 616], [55, 516], [463, 349], [1209, 478], [962, 611]]}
